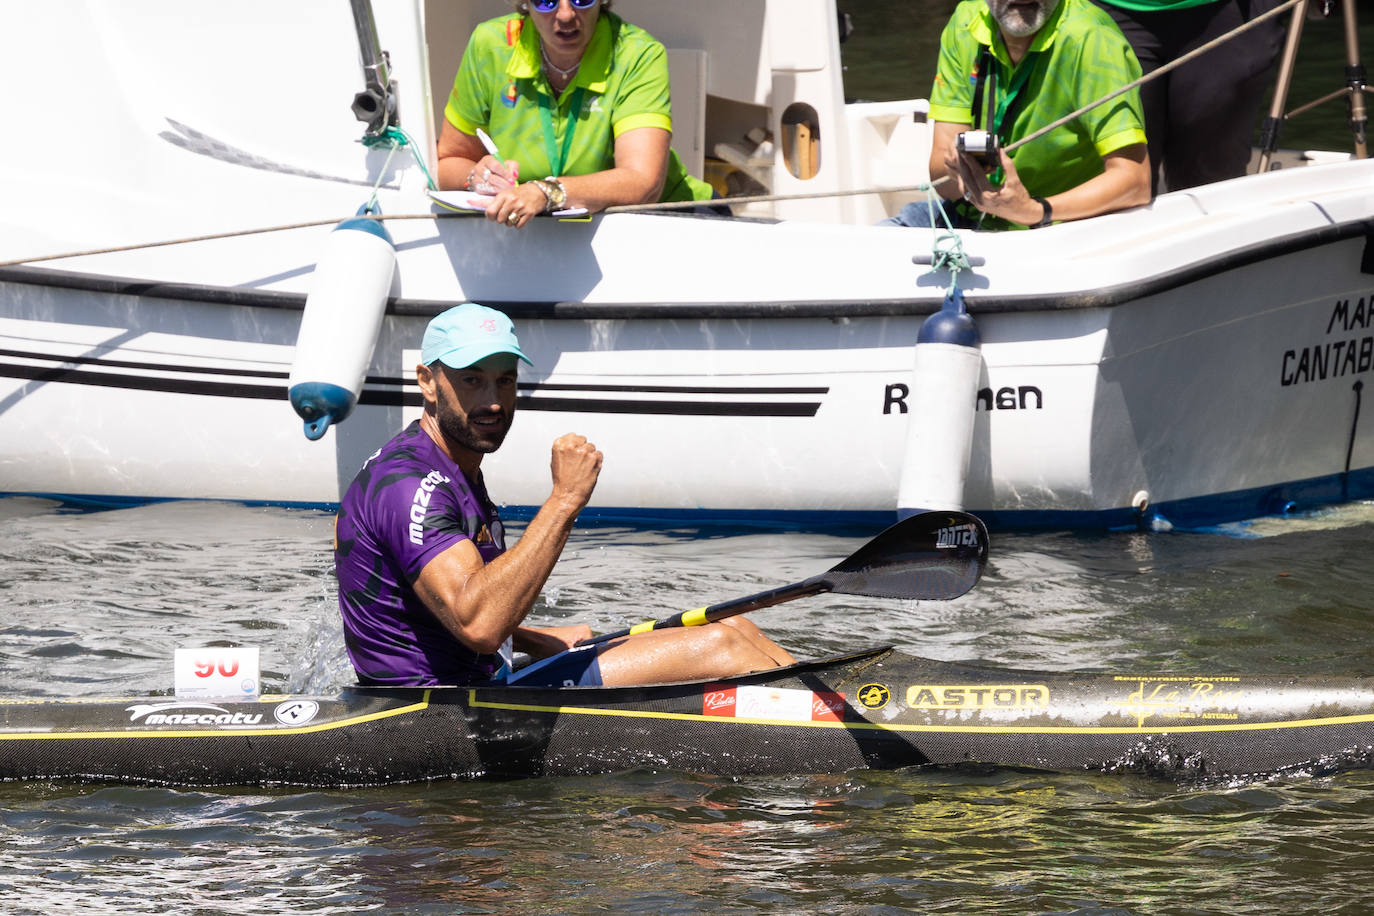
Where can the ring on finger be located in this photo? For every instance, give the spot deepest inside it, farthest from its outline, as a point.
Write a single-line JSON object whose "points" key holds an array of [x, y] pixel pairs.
{"points": [[513, 218]]}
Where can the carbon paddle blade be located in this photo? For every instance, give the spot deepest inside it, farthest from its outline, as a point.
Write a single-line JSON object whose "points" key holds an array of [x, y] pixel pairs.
{"points": [[933, 555]]}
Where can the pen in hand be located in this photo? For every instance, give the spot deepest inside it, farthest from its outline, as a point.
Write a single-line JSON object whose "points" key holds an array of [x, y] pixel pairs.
{"points": [[490, 146]]}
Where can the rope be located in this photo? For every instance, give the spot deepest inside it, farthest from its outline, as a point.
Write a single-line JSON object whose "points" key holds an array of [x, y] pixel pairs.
{"points": [[398, 137], [236, 233], [1171, 65], [946, 247]]}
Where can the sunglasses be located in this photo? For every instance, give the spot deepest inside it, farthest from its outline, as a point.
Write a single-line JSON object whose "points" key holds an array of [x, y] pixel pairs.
{"points": [[548, 6]]}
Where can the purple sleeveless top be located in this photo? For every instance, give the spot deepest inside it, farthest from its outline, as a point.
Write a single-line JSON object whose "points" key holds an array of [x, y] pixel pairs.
{"points": [[408, 504]]}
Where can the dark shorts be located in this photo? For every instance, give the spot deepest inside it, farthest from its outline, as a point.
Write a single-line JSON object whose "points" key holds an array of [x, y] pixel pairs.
{"points": [[573, 668]]}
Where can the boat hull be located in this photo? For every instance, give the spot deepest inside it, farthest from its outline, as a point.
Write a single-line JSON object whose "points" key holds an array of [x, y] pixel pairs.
{"points": [[880, 709], [1194, 361], [1178, 398]]}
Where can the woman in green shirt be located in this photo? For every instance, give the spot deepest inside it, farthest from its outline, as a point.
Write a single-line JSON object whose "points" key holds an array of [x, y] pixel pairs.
{"points": [[576, 101]]}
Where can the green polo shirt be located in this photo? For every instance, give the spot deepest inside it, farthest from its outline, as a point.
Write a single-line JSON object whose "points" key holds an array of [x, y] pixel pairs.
{"points": [[621, 85], [1079, 55], [1151, 6]]}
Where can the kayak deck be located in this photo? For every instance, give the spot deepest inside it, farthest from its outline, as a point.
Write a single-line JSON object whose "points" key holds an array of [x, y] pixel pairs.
{"points": [[879, 709]]}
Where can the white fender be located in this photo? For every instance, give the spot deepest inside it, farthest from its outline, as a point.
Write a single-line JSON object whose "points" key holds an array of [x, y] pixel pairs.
{"points": [[343, 314], [944, 389]]}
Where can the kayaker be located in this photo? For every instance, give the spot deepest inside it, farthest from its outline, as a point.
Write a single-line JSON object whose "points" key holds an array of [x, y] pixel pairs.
{"points": [[428, 591], [1009, 67], [568, 90]]}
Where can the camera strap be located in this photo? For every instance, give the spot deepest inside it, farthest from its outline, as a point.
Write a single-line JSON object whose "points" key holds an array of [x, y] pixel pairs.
{"points": [[990, 113]]}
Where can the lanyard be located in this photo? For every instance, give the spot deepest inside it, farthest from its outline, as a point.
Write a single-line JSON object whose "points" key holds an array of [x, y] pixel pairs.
{"points": [[999, 109], [559, 159]]}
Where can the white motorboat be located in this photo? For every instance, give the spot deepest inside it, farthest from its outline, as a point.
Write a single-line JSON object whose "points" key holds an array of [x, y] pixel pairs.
{"points": [[1197, 360]]}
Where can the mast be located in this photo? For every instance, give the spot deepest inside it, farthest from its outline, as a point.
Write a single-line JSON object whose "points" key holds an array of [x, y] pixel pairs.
{"points": [[376, 105]]}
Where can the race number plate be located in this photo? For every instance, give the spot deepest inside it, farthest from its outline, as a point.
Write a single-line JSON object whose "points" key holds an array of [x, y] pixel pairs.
{"points": [[217, 673]]}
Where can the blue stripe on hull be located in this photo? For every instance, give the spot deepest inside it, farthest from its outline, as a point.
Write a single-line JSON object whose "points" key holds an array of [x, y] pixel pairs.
{"points": [[1193, 513]]}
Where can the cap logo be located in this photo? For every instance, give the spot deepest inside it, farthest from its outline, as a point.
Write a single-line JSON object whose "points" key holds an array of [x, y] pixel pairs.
{"points": [[488, 325]]}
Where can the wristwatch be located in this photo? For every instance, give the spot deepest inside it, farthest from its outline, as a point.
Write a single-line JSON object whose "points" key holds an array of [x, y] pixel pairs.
{"points": [[553, 189], [1049, 213]]}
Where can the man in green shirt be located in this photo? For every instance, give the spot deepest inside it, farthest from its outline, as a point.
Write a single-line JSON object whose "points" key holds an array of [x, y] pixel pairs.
{"points": [[570, 91], [1010, 67]]}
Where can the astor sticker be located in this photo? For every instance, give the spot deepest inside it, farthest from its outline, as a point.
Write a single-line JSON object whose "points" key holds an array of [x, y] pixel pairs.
{"points": [[957, 536], [752, 701], [189, 714], [978, 696]]}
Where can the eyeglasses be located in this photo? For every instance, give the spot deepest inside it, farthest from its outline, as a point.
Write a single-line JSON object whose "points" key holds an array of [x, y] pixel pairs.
{"points": [[548, 6]]}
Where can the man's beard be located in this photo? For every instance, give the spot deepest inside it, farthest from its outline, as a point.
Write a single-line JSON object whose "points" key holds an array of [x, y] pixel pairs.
{"points": [[483, 440], [1019, 22]]}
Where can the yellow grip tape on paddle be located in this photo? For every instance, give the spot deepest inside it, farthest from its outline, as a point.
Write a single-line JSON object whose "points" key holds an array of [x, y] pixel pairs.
{"points": [[689, 619]]}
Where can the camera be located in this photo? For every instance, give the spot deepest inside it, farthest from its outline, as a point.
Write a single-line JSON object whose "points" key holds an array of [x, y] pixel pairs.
{"points": [[982, 146]]}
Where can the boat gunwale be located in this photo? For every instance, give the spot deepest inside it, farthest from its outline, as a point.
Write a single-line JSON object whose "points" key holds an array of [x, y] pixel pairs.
{"points": [[1164, 280]]}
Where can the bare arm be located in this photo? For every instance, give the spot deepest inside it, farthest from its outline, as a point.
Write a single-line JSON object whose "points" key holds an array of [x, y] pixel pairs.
{"points": [[641, 165], [483, 603], [944, 158], [1124, 182], [463, 162]]}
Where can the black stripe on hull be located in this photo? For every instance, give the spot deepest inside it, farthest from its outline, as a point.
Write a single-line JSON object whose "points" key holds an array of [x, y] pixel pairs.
{"points": [[70, 372]]}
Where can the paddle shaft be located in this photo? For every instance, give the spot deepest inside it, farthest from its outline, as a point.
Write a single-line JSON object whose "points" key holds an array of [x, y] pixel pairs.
{"points": [[711, 613], [931, 555]]}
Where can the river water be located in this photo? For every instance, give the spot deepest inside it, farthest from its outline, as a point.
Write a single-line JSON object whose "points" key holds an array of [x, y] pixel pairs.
{"points": [[97, 601]]}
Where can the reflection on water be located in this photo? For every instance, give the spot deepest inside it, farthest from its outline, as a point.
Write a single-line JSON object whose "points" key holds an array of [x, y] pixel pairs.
{"points": [[951, 842], [97, 602]]}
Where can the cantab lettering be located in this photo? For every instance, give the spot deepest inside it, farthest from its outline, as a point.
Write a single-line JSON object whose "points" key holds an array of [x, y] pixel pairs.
{"points": [[1333, 359]]}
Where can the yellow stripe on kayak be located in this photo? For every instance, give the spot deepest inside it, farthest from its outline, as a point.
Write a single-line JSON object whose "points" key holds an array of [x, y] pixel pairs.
{"points": [[861, 725]]}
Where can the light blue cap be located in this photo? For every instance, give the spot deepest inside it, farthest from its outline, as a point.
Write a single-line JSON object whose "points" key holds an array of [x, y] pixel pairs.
{"points": [[467, 334]]}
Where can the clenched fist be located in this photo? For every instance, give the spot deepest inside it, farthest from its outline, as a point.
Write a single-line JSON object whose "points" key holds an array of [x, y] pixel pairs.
{"points": [[576, 465]]}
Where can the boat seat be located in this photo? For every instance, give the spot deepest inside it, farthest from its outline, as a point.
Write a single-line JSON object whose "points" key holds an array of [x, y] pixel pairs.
{"points": [[889, 148]]}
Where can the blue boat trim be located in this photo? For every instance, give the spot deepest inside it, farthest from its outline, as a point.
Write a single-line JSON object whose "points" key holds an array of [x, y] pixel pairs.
{"points": [[1194, 514]]}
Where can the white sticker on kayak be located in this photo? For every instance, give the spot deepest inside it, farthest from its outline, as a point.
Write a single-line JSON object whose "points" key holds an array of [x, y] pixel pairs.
{"points": [[179, 713], [216, 673], [296, 712], [753, 701]]}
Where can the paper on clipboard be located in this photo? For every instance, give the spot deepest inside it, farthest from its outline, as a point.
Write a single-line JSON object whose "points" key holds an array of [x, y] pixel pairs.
{"points": [[471, 201]]}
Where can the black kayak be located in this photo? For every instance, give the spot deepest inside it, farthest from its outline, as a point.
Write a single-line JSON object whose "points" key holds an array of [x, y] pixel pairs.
{"points": [[878, 709]]}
